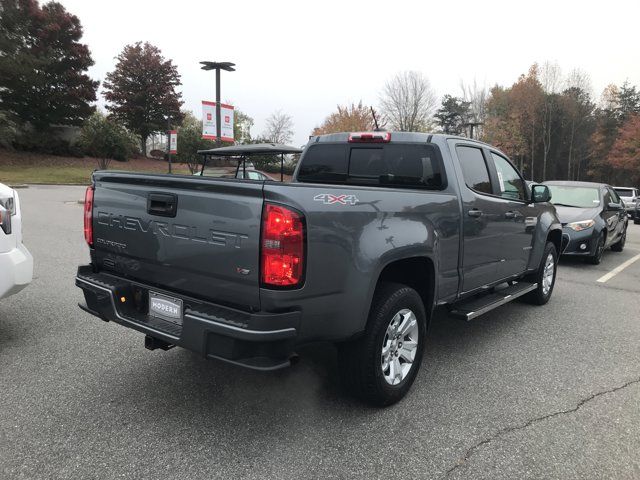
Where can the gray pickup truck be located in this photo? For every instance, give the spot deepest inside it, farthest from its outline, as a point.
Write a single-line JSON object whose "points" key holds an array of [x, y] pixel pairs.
{"points": [[374, 232]]}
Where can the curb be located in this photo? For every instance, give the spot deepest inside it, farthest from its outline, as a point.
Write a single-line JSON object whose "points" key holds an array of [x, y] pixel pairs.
{"points": [[55, 185]]}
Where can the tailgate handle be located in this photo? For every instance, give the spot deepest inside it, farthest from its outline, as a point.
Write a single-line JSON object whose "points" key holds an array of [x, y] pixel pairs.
{"points": [[162, 204]]}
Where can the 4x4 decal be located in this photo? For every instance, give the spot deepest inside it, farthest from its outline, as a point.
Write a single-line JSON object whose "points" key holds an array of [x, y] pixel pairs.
{"points": [[330, 199]]}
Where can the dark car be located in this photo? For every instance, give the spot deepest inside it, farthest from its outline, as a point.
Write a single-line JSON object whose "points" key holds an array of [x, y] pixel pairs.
{"points": [[636, 217], [593, 218]]}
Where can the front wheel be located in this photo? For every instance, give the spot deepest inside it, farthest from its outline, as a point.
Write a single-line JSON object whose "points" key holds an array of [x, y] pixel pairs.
{"points": [[380, 367], [596, 258], [545, 276], [619, 245]]}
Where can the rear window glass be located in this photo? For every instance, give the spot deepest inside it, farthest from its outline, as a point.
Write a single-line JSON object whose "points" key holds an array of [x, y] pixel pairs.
{"points": [[624, 192], [324, 163], [408, 165]]}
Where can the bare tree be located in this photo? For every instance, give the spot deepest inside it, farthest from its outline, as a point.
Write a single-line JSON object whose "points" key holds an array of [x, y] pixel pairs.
{"points": [[408, 102], [279, 128], [579, 108], [578, 78], [551, 80], [477, 97]]}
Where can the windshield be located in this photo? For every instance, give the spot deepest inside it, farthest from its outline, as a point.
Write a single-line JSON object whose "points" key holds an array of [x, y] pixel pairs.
{"points": [[580, 197], [624, 192]]}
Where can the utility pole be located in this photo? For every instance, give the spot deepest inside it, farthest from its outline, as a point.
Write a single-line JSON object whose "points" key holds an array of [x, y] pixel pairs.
{"points": [[217, 66]]}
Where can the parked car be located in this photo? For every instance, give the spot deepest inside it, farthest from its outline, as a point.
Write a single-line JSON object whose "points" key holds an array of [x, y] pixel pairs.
{"points": [[376, 230], [251, 174], [629, 195], [16, 263], [636, 217], [593, 218]]}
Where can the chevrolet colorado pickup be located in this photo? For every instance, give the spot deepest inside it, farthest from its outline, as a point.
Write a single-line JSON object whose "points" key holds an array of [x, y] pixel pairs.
{"points": [[375, 230]]}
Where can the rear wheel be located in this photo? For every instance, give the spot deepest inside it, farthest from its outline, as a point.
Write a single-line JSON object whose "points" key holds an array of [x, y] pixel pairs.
{"points": [[380, 367], [596, 258], [545, 276], [619, 245]]}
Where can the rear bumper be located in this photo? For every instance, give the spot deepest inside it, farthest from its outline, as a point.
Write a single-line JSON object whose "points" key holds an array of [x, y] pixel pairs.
{"points": [[261, 341], [16, 267]]}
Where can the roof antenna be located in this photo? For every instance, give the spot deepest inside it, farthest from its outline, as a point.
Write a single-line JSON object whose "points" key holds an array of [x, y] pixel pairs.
{"points": [[375, 120]]}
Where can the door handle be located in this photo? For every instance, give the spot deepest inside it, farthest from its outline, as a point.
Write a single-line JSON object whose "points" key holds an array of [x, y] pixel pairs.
{"points": [[474, 212], [161, 204], [510, 214]]}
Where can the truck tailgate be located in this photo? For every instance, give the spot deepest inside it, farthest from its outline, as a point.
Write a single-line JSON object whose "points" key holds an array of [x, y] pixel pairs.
{"points": [[198, 236]]}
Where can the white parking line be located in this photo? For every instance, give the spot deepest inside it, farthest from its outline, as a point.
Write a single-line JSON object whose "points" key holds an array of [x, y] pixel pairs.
{"points": [[618, 269]]}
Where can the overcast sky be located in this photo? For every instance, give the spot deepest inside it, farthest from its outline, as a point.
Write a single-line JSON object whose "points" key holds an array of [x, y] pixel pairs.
{"points": [[305, 57]]}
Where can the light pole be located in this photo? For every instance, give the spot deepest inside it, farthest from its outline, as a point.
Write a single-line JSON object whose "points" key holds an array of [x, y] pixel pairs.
{"points": [[217, 66], [471, 125], [169, 141]]}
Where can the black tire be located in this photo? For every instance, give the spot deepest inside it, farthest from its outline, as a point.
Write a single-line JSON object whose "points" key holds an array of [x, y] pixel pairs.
{"points": [[596, 258], [636, 221], [619, 245], [539, 296], [360, 361]]}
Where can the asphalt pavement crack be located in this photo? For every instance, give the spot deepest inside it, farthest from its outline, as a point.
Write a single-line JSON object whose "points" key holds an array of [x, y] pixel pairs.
{"points": [[471, 450]]}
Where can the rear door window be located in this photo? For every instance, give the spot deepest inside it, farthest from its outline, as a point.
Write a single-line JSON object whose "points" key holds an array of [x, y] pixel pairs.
{"points": [[474, 168]]}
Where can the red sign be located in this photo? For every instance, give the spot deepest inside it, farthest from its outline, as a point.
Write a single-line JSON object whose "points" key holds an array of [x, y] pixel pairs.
{"points": [[173, 142]]}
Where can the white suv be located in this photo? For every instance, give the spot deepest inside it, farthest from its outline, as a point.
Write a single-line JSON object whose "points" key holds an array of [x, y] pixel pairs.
{"points": [[628, 196], [16, 263]]}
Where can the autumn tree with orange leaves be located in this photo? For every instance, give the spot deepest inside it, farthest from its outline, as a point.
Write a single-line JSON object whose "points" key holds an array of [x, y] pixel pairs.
{"points": [[625, 153], [349, 118]]}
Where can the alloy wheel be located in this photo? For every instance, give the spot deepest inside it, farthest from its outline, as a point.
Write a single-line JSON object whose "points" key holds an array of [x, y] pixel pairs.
{"points": [[399, 346], [548, 274]]}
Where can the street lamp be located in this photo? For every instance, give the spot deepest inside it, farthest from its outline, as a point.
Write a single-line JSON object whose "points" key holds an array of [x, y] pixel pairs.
{"points": [[217, 66], [471, 125], [169, 141]]}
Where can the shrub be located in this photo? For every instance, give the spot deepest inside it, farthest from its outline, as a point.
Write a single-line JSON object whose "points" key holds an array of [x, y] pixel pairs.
{"points": [[47, 142], [8, 130], [104, 139]]}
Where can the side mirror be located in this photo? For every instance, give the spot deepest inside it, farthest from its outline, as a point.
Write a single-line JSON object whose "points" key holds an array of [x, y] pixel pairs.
{"points": [[540, 194], [614, 206]]}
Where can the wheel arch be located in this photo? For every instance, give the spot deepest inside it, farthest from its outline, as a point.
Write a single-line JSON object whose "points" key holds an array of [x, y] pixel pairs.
{"points": [[417, 272], [555, 236]]}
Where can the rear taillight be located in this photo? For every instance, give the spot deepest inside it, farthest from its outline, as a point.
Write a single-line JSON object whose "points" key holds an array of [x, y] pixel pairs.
{"points": [[88, 216], [282, 247], [370, 137]]}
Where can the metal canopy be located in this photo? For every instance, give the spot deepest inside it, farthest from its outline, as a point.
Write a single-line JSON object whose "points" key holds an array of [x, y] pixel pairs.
{"points": [[251, 149]]}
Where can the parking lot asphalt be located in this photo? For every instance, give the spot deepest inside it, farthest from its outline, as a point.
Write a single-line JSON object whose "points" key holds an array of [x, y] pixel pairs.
{"points": [[522, 392]]}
